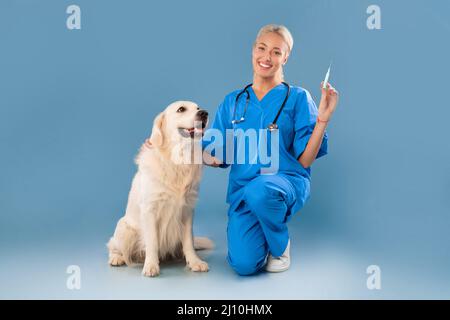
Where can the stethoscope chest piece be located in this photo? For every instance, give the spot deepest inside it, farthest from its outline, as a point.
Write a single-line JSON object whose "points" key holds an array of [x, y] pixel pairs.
{"points": [[272, 127], [238, 120]]}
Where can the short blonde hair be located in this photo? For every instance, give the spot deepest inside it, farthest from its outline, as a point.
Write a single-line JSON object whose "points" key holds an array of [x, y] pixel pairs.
{"points": [[281, 30]]}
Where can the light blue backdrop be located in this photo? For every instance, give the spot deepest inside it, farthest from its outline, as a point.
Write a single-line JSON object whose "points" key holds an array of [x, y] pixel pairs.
{"points": [[75, 105]]}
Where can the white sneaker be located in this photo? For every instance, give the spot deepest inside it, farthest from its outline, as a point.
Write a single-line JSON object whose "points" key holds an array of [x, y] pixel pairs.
{"points": [[281, 263]]}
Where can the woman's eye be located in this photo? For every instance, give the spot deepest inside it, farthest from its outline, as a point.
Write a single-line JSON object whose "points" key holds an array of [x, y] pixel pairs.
{"points": [[278, 53], [261, 48], [181, 109]]}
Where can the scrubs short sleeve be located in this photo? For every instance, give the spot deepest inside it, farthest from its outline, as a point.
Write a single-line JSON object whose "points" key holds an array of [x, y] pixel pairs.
{"points": [[305, 119]]}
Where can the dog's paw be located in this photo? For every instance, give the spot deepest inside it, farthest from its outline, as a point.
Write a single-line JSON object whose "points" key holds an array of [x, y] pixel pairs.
{"points": [[150, 270], [198, 266], [116, 260]]}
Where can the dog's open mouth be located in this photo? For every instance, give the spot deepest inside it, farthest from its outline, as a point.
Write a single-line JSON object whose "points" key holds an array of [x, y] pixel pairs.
{"points": [[193, 132]]}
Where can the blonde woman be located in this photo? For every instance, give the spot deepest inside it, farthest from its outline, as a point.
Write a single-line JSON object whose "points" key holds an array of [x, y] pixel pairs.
{"points": [[262, 204]]}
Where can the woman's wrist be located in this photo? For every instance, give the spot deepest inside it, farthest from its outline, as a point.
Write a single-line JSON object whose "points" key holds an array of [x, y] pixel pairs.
{"points": [[322, 120]]}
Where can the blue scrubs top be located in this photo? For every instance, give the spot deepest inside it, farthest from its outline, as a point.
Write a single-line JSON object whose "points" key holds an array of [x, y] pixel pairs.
{"points": [[296, 124]]}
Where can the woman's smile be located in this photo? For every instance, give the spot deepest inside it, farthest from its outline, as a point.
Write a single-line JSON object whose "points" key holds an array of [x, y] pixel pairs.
{"points": [[265, 65]]}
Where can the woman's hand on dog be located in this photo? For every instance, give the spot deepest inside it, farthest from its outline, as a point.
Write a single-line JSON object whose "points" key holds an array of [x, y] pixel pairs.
{"points": [[212, 161]]}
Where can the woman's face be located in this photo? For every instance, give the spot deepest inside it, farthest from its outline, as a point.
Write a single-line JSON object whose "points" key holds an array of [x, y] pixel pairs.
{"points": [[270, 52]]}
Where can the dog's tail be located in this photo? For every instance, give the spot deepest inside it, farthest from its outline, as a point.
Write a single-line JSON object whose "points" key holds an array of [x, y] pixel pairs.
{"points": [[203, 243]]}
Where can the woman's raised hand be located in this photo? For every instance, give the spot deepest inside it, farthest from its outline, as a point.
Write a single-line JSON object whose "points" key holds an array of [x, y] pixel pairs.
{"points": [[328, 102]]}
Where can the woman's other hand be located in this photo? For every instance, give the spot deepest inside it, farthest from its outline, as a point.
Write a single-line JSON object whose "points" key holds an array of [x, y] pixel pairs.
{"points": [[328, 102]]}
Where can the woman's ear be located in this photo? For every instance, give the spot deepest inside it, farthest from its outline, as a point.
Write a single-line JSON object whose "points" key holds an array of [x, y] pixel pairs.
{"points": [[286, 59], [157, 138]]}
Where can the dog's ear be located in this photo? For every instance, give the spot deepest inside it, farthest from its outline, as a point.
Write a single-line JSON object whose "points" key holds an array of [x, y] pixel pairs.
{"points": [[157, 136]]}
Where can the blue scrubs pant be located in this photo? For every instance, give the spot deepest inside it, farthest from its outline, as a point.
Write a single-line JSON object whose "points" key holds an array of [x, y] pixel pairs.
{"points": [[258, 225]]}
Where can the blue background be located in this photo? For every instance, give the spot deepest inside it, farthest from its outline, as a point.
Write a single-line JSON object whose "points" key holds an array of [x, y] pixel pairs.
{"points": [[75, 105]]}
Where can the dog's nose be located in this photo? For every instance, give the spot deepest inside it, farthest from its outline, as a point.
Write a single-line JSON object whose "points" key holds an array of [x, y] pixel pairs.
{"points": [[202, 114]]}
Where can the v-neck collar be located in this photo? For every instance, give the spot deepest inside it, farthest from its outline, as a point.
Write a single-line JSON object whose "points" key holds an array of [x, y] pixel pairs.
{"points": [[252, 92]]}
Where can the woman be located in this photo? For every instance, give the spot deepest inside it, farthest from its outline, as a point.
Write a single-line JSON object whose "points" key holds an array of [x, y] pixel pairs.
{"points": [[262, 204]]}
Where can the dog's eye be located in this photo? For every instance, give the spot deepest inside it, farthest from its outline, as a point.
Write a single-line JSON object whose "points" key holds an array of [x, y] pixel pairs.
{"points": [[181, 109]]}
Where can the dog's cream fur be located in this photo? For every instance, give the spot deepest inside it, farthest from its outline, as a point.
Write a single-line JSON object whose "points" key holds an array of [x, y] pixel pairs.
{"points": [[159, 214]]}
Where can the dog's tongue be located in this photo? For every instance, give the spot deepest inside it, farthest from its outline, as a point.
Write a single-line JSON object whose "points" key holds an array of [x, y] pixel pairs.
{"points": [[192, 131]]}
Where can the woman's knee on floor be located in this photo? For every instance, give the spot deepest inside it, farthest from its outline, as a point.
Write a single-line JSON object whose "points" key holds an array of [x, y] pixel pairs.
{"points": [[246, 264]]}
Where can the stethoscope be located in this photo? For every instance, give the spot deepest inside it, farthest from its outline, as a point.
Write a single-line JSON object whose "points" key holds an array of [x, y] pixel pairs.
{"points": [[270, 127]]}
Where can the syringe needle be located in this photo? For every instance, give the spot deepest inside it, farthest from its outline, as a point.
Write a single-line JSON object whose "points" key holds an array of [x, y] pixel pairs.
{"points": [[327, 76]]}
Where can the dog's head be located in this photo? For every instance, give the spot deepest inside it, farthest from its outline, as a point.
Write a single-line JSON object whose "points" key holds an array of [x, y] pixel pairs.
{"points": [[181, 121]]}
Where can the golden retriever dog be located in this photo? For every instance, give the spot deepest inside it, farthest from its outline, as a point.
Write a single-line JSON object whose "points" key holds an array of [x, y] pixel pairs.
{"points": [[159, 214]]}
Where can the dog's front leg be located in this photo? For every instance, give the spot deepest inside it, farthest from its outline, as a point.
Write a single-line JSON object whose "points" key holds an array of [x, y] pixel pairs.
{"points": [[148, 217], [192, 259]]}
